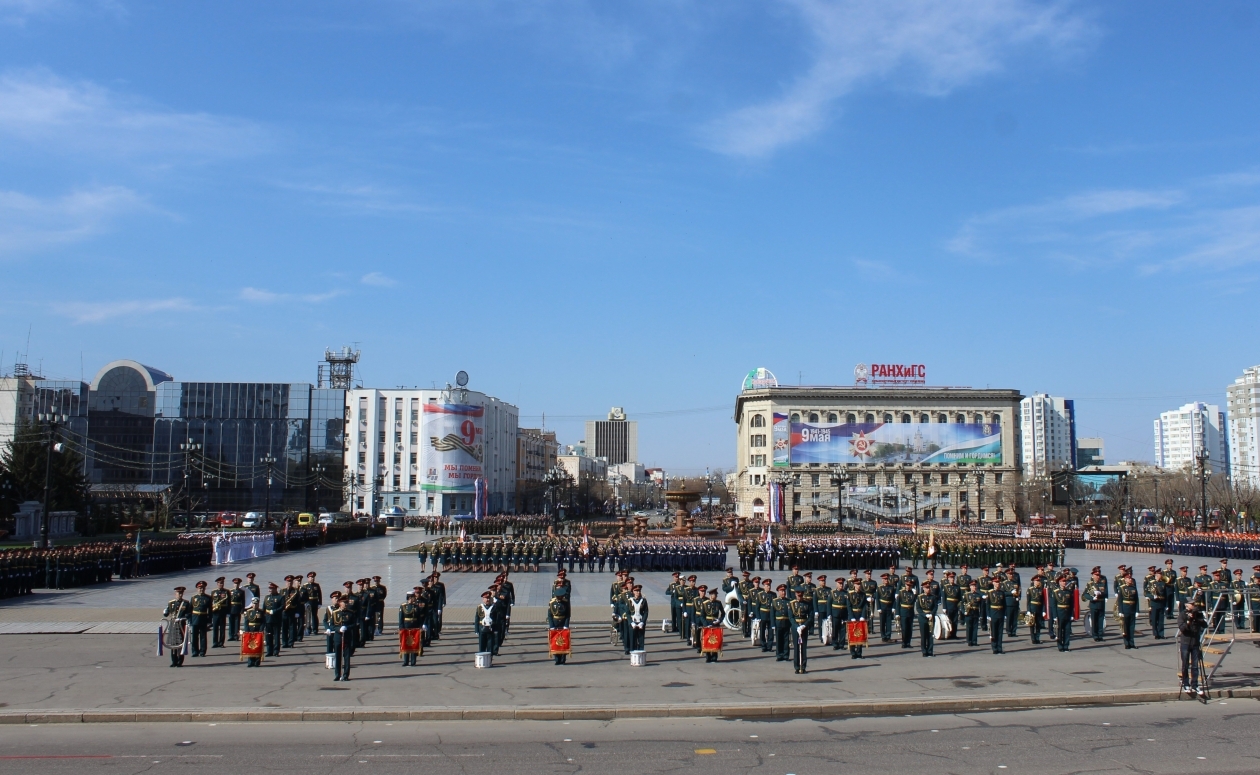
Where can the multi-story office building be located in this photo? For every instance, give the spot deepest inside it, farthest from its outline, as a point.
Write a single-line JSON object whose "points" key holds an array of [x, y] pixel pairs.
{"points": [[1090, 452], [1047, 426], [582, 468], [25, 396], [1180, 434], [615, 439], [536, 452], [424, 451], [950, 453], [1243, 409]]}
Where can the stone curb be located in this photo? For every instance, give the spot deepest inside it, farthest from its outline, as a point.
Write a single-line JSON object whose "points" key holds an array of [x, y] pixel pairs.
{"points": [[916, 706]]}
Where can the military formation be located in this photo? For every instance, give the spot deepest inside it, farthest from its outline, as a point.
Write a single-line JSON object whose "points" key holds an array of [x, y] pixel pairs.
{"points": [[576, 555], [949, 550], [1233, 546], [67, 567]]}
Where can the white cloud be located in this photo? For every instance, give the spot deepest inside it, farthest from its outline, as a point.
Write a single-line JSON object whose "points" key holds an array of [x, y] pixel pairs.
{"points": [[262, 296], [378, 279], [1211, 224], [929, 46], [19, 12], [97, 312], [38, 108], [30, 223]]}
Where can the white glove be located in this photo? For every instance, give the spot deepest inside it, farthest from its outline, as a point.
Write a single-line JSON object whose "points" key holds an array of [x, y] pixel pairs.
{"points": [[343, 628]]}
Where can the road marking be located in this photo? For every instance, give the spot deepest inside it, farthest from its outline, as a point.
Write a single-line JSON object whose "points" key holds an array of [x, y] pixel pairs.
{"points": [[67, 756], [706, 751]]}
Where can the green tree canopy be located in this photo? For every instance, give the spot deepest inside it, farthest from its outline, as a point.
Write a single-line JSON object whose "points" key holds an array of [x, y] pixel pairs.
{"points": [[23, 464]]}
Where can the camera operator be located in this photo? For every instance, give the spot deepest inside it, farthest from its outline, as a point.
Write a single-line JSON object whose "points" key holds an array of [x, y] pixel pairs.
{"points": [[1190, 627]]}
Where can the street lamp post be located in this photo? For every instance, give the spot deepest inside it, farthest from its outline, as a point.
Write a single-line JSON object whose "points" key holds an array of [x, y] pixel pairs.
{"points": [[1203, 459], [53, 419], [268, 460], [914, 518], [189, 448], [783, 479], [839, 480]]}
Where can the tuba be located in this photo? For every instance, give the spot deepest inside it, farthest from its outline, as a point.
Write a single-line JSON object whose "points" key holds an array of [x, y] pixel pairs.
{"points": [[732, 610]]}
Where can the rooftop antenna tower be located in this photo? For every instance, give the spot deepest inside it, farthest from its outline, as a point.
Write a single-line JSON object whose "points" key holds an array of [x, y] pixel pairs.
{"points": [[337, 371]]}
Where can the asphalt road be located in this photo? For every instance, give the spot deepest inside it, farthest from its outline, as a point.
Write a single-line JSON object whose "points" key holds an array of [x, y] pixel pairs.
{"points": [[1186, 737]]}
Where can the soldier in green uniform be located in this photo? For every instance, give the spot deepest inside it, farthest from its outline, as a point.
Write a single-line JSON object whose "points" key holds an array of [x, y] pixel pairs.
{"points": [[1239, 591], [859, 610], [765, 630], [925, 606], [905, 610], [409, 618], [220, 603], [781, 614], [801, 612], [636, 615], [886, 600], [820, 597], [996, 600], [236, 607], [975, 606], [273, 612], [1062, 602], [709, 614], [339, 627], [313, 599], [1011, 588], [1094, 596], [1127, 601], [985, 583], [1036, 609], [252, 588], [951, 599], [251, 620], [690, 595], [558, 619], [199, 620], [838, 613], [177, 610]]}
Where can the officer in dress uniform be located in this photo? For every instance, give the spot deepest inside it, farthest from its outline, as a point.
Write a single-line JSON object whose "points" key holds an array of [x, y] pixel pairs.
{"points": [[975, 607], [1094, 595], [179, 608], [925, 606], [637, 615], [236, 607], [273, 612], [765, 602], [859, 610], [1061, 601], [558, 619], [339, 627], [839, 614], [1127, 600], [409, 619], [710, 614], [951, 599], [886, 599], [996, 597], [801, 612], [199, 620], [251, 620], [251, 587], [1036, 609], [483, 622], [313, 598], [220, 602], [781, 614], [905, 608]]}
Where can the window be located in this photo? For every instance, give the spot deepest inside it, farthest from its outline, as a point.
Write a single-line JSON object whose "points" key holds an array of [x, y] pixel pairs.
{"points": [[1000, 515], [796, 480], [944, 513], [870, 418], [850, 418], [360, 501], [888, 479], [888, 418], [927, 478], [813, 416], [960, 419], [413, 458], [380, 458], [997, 419], [796, 499], [870, 479], [398, 437], [813, 479], [758, 460], [980, 479], [397, 481], [361, 480], [909, 478], [411, 502], [757, 440], [757, 421], [796, 514], [941, 418], [831, 417], [997, 478], [944, 478], [796, 417], [981, 515], [382, 437], [362, 458], [413, 484]]}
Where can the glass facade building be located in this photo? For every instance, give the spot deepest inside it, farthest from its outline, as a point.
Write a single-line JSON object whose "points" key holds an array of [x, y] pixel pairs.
{"points": [[238, 425]]}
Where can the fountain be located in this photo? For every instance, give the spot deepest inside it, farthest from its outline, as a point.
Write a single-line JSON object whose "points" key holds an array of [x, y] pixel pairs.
{"points": [[683, 523]]}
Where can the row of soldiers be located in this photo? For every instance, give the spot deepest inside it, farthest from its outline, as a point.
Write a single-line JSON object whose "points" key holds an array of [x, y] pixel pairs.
{"points": [[1236, 546], [817, 553], [953, 550], [67, 567], [576, 554]]}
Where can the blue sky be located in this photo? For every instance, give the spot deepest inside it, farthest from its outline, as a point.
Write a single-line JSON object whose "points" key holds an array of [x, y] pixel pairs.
{"points": [[588, 204]]}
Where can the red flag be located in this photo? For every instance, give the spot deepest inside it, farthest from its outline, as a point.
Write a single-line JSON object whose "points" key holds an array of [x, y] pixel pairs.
{"points": [[251, 645], [710, 640], [856, 632], [559, 642], [410, 642]]}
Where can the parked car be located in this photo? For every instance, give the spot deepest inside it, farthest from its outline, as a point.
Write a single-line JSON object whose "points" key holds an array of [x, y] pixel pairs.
{"points": [[305, 519], [252, 520]]}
